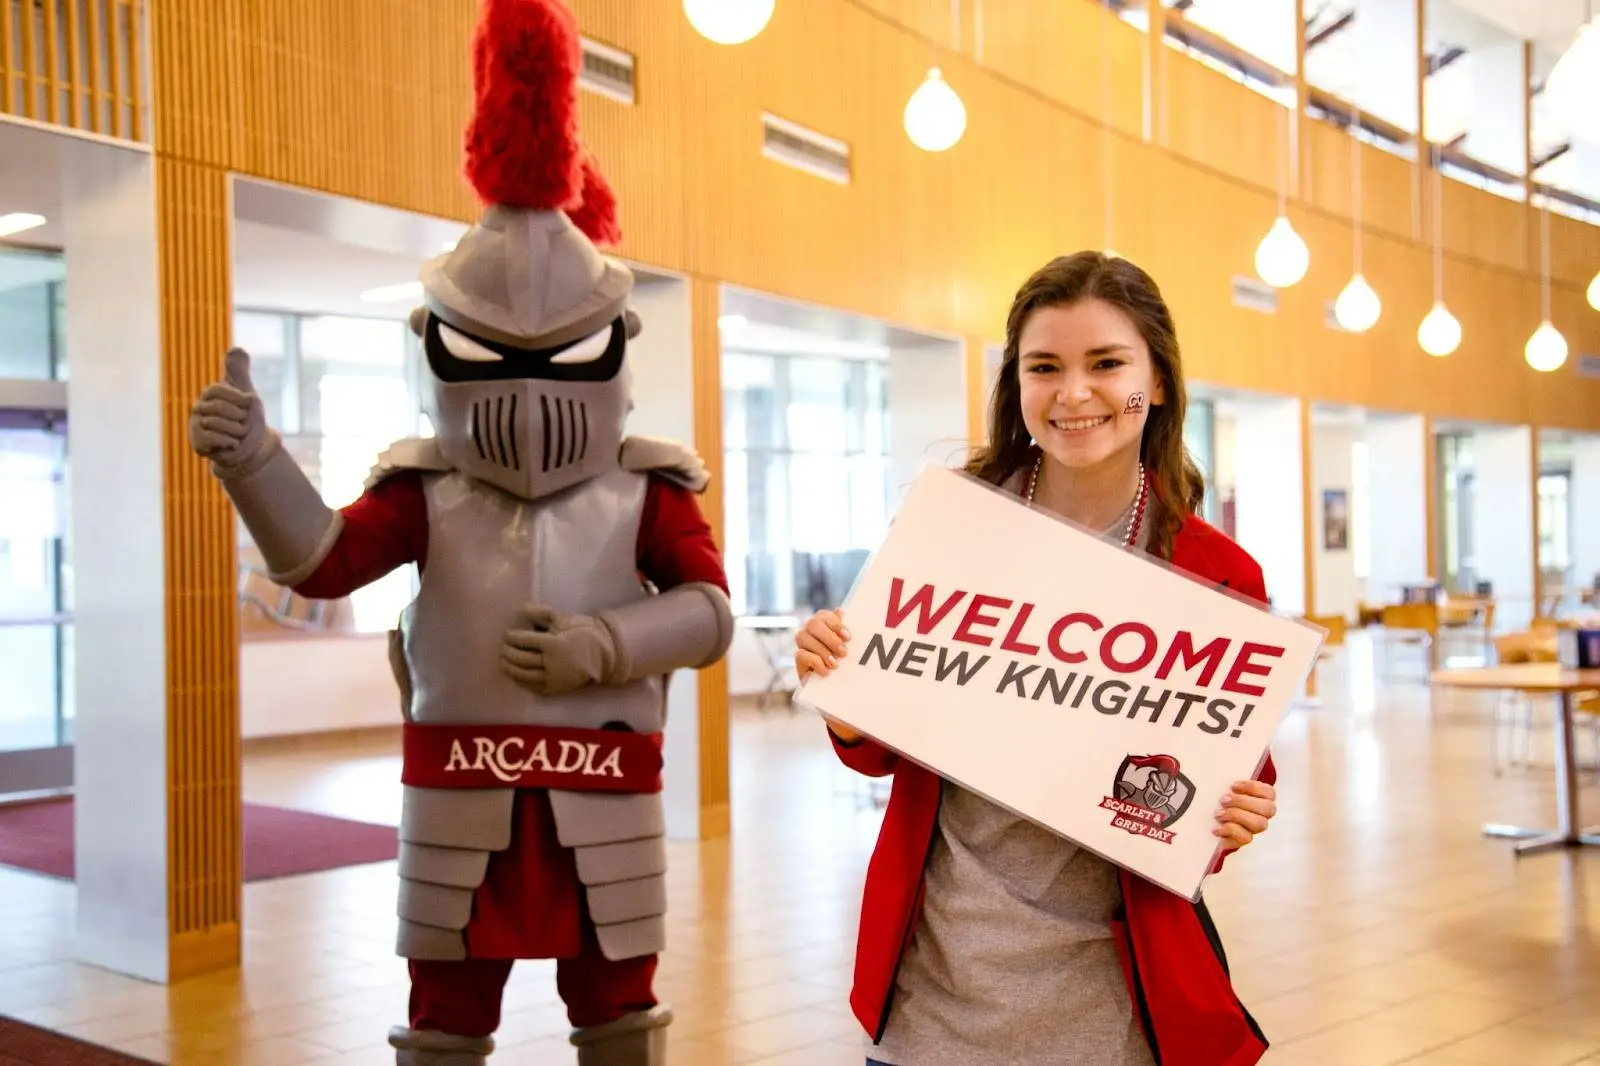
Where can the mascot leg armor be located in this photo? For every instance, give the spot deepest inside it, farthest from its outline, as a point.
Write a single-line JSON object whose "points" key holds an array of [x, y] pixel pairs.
{"points": [[566, 573], [421, 1047], [638, 1039]]}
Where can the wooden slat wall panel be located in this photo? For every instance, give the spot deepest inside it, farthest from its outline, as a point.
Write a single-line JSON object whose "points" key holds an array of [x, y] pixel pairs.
{"points": [[54, 59], [368, 99], [203, 754], [715, 787]]}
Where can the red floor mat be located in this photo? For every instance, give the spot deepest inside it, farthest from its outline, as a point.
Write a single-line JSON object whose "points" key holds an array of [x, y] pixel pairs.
{"points": [[277, 842], [27, 1045]]}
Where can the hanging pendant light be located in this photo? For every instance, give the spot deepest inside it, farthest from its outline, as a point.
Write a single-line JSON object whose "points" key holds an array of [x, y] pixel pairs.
{"points": [[728, 21], [1440, 333], [1282, 257], [1358, 307], [1546, 350], [935, 117]]}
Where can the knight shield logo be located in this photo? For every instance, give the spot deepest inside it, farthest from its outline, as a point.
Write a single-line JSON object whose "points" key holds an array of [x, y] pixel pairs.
{"points": [[1149, 795]]}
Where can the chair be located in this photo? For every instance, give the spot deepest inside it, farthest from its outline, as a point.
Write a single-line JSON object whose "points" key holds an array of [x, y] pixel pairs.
{"points": [[1513, 711]]}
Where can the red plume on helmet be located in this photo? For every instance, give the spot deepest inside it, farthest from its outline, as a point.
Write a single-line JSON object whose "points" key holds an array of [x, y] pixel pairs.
{"points": [[522, 145], [1164, 763]]}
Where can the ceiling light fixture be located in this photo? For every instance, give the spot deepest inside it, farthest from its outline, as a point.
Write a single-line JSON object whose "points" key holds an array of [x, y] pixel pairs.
{"points": [[388, 294], [1574, 83], [728, 21], [19, 222]]}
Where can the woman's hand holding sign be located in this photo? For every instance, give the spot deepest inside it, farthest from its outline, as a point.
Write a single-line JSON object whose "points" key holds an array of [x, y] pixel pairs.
{"points": [[820, 644], [1245, 813]]}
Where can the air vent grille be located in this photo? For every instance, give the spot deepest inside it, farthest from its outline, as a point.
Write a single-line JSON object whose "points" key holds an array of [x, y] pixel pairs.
{"points": [[804, 149], [1254, 295], [607, 71]]}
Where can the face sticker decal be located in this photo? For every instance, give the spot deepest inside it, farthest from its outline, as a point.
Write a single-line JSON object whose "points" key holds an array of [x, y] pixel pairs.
{"points": [[1135, 403]]}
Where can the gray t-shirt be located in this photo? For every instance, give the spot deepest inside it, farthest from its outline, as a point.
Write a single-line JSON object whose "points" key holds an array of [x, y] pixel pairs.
{"points": [[1013, 961]]}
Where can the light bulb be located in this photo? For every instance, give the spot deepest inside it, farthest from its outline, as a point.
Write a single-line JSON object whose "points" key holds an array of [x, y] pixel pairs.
{"points": [[1440, 333], [19, 222], [1546, 349], [1574, 84], [1282, 257], [728, 21], [935, 117], [1358, 306], [1594, 292]]}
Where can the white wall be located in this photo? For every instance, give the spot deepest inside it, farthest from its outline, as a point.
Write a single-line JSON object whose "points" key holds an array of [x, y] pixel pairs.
{"points": [[1585, 508], [927, 411], [1336, 588], [1397, 472], [927, 423], [1502, 520], [1268, 480], [116, 406], [662, 361]]}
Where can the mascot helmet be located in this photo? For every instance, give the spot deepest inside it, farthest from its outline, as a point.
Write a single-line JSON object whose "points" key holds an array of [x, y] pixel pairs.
{"points": [[525, 324]]}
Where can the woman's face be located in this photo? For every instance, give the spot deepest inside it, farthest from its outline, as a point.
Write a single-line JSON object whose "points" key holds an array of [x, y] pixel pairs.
{"points": [[1087, 382]]}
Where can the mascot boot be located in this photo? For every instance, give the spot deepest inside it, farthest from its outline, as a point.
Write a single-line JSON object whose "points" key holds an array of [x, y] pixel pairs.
{"points": [[418, 1047], [638, 1039]]}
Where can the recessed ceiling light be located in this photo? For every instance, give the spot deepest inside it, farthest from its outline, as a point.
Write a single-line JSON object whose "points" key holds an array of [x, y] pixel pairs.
{"points": [[388, 294], [18, 222]]}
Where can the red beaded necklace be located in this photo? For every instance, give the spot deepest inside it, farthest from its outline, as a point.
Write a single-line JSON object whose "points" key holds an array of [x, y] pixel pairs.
{"points": [[1139, 500]]}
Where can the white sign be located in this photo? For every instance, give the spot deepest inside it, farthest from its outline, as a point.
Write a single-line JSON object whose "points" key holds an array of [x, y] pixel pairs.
{"points": [[1100, 694]]}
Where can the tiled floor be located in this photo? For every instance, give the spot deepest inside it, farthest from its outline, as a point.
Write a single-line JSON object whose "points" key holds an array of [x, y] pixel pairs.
{"points": [[1374, 924]]}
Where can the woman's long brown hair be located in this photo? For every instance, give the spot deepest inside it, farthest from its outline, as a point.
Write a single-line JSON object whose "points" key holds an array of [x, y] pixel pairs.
{"points": [[1179, 488]]}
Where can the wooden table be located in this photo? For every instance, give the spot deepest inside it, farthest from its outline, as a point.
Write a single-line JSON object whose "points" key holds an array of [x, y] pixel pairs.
{"points": [[1540, 677]]}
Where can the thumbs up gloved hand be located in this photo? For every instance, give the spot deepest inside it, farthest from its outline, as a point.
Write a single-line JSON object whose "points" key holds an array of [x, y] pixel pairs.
{"points": [[228, 423]]}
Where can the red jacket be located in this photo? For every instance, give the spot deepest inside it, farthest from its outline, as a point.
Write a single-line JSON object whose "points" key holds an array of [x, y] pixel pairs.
{"points": [[1171, 954]]}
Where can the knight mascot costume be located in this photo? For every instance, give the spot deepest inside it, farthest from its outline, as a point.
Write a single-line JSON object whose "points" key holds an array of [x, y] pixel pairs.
{"points": [[566, 572]]}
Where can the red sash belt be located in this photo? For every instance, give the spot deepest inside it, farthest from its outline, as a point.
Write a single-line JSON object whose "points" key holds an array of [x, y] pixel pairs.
{"points": [[531, 756]]}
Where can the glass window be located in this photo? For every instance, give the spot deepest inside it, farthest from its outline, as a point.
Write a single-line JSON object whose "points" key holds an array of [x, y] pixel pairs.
{"points": [[31, 344], [1555, 521], [265, 337], [806, 485], [352, 351]]}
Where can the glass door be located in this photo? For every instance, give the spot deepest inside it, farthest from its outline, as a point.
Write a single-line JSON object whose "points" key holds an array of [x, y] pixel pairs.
{"points": [[35, 604]]}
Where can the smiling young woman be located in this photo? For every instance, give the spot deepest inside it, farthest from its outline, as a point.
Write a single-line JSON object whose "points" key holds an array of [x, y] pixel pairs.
{"points": [[984, 938]]}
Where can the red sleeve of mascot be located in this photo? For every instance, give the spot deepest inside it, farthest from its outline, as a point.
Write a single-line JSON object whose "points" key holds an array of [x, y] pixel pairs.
{"points": [[387, 527], [675, 542]]}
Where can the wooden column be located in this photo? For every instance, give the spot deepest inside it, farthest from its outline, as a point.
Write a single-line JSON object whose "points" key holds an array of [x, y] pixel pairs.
{"points": [[1155, 58], [1420, 169], [1533, 491], [1297, 119], [204, 814], [1530, 221], [1430, 497], [705, 308], [977, 389], [1308, 524]]}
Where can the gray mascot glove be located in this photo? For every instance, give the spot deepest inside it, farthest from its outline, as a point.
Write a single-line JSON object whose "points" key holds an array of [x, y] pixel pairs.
{"points": [[228, 423], [551, 653]]}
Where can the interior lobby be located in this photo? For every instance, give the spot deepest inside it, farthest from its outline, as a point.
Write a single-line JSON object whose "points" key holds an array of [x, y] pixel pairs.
{"points": [[1377, 223]]}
